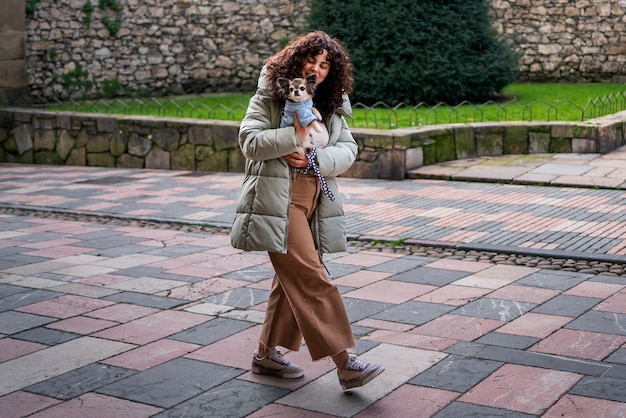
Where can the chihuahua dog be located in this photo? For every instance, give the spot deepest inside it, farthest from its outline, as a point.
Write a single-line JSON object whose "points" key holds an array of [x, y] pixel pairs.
{"points": [[298, 94]]}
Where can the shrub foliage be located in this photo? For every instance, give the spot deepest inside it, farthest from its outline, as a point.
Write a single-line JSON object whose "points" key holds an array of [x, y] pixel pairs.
{"points": [[419, 51]]}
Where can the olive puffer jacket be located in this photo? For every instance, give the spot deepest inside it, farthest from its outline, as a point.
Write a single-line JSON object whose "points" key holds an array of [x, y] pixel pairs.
{"points": [[263, 208]]}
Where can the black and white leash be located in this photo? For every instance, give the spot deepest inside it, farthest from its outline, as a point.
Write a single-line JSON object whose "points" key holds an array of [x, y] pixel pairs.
{"points": [[313, 165]]}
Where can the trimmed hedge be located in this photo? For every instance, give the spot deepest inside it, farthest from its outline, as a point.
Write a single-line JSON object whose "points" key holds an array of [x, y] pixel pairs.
{"points": [[419, 51]]}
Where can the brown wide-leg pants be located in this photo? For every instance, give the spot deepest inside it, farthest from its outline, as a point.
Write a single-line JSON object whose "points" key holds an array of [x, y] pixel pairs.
{"points": [[303, 302]]}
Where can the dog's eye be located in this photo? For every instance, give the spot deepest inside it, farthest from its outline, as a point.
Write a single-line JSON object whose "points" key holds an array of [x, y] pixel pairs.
{"points": [[302, 88], [291, 88]]}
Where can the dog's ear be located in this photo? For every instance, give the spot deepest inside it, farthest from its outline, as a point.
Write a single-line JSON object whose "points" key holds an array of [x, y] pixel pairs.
{"points": [[310, 82], [282, 84]]}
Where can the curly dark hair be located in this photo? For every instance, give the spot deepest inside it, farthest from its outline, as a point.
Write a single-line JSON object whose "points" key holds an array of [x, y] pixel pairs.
{"points": [[289, 62]]}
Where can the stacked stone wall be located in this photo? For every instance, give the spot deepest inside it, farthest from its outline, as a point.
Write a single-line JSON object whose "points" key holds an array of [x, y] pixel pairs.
{"points": [[192, 46], [566, 40], [32, 136]]}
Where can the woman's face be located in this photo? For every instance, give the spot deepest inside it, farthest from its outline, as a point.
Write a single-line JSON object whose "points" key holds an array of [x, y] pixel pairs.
{"points": [[317, 65]]}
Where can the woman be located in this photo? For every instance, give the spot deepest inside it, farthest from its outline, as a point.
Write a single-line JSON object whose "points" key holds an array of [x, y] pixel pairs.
{"points": [[282, 210]]}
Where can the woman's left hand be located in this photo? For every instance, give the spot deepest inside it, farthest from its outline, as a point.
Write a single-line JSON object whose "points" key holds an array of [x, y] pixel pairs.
{"points": [[295, 159]]}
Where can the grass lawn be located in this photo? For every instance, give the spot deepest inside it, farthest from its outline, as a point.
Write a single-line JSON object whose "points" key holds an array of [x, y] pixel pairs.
{"points": [[518, 102]]}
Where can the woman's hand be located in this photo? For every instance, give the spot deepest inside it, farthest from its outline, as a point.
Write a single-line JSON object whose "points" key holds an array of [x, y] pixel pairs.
{"points": [[295, 159]]}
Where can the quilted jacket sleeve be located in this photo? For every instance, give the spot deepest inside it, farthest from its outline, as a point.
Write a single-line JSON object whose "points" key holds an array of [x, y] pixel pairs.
{"points": [[259, 140]]}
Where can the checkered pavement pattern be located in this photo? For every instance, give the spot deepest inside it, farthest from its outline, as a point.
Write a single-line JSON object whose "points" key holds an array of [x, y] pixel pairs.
{"points": [[111, 319], [551, 219]]}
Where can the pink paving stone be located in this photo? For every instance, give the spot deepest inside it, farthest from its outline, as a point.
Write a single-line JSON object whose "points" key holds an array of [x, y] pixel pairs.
{"points": [[186, 260], [81, 325], [614, 304], [58, 251], [224, 250], [281, 411], [65, 306], [361, 278], [582, 344], [234, 261], [521, 388], [365, 259], [122, 312], [153, 233], [573, 406], [535, 325], [407, 400], [453, 295], [204, 288], [93, 405], [390, 291], [458, 327], [152, 327], [459, 265], [21, 404], [526, 294], [104, 279], [409, 339], [195, 271], [380, 324], [151, 355], [11, 348]]}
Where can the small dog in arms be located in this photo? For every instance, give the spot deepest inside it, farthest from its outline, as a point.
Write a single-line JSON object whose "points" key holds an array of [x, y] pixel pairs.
{"points": [[298, 94]]}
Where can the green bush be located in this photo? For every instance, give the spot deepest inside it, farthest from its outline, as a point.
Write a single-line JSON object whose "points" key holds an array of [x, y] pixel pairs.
{"points": [[419, 51]]}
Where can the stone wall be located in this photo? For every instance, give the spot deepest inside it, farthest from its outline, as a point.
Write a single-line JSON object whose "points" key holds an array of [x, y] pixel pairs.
{"points": [[566, 40], [188, 46], [13, 82], [162, 46], [63, 138]]}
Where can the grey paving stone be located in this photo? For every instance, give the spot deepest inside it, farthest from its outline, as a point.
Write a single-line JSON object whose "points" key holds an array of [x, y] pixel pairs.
{"points": [[339, 269], [617, 372], [426, 275], [46, 336], [113, 240], [9, 290], [7, 252], [140, 271], [520, 342], [456, 373], [39, 237], [403, 264], [360, 308], [58, 277], [26, 298], [211, 331], [412, 312], [567, 305], [546, 361], [618, 356], [12, 322], [601, 387], [253, 274], [600, 321], [241, 297], [499, 309], [151, 301], [121, 250], [556, 280], [171, 383], [17, 260], [235, 398], [468, 410], [79, 381], [464, 348]]}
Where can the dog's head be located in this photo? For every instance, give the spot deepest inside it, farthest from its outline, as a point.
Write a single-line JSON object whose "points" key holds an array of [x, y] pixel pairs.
{"points": [[298, 89]]}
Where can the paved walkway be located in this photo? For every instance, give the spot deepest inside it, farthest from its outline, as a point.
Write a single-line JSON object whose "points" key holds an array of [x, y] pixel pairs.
{"points": [[122, 319]]}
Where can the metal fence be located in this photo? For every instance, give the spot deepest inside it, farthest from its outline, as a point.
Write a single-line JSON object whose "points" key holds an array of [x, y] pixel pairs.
{"points": [[376, 116]]}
